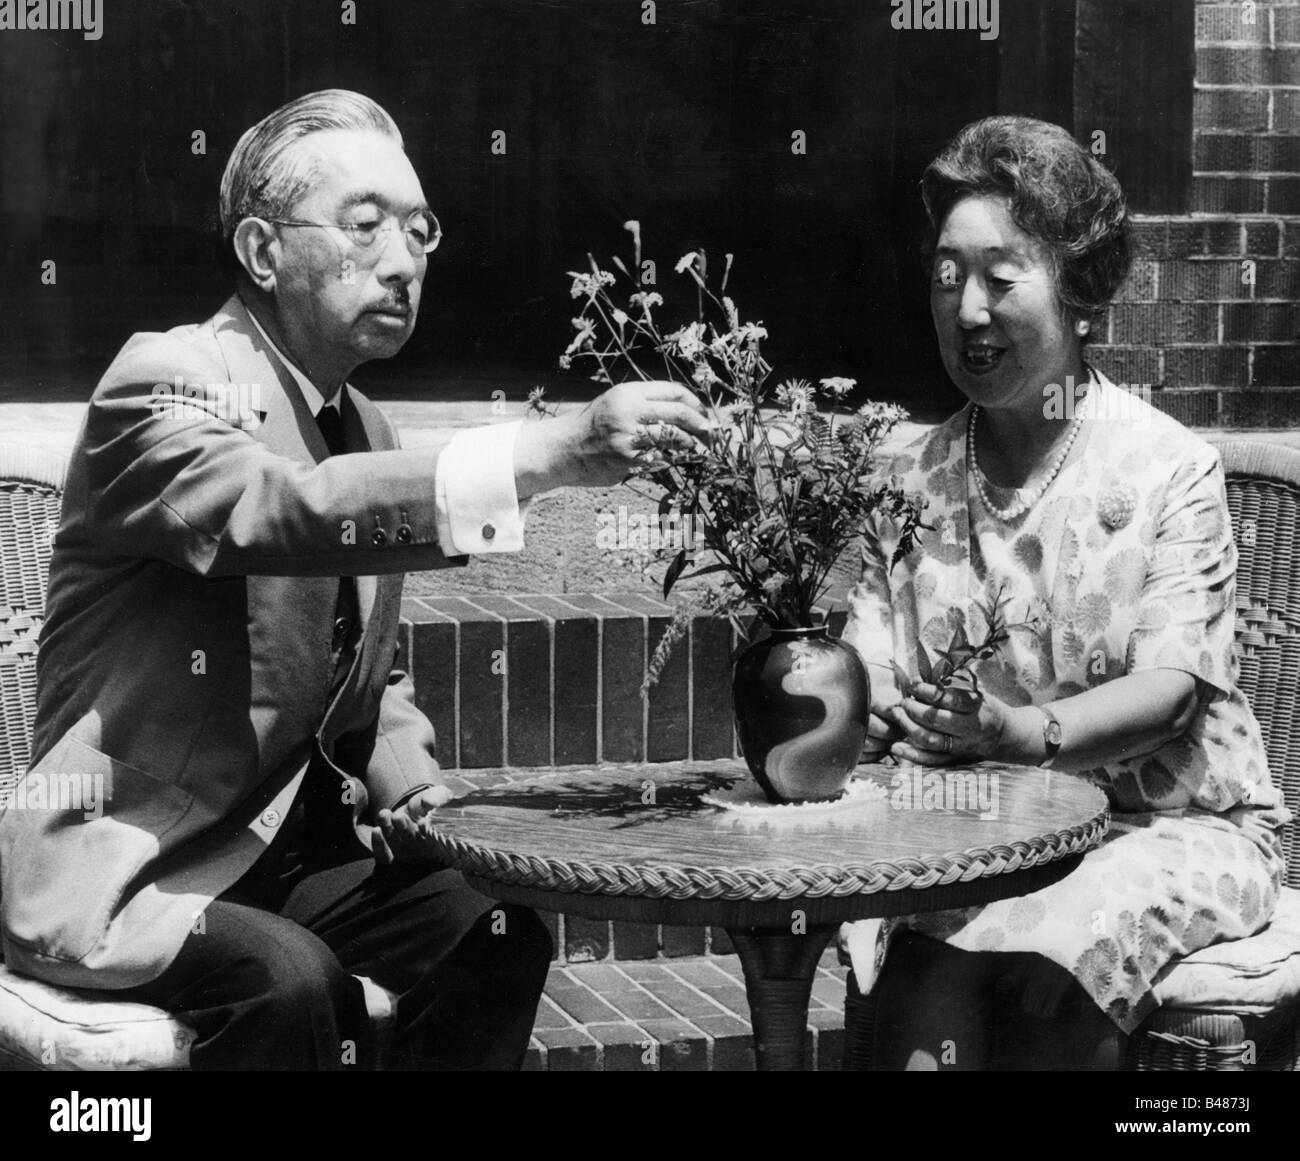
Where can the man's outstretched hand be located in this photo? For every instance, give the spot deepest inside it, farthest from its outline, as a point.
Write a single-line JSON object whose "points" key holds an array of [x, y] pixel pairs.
{"points": [[601, 444], [400, 834]]}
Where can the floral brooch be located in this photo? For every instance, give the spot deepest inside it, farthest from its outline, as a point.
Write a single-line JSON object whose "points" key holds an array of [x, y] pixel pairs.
{"points": [[1116, 505]]}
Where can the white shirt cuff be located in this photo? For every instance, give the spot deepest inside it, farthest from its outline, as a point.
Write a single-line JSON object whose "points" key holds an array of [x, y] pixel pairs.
{"points": [[474, 489]]}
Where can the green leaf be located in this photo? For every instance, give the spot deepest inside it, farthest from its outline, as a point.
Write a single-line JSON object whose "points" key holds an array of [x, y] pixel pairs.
{"points": [[901, 680], [674, 571], [923, 666], [960, 656]]}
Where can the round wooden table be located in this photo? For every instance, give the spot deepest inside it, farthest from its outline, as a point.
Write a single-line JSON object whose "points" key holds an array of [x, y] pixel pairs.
{"points": [[640, 843]]}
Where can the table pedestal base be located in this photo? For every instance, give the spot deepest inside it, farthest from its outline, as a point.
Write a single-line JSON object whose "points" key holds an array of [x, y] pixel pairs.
{"points": [[779, 969]]}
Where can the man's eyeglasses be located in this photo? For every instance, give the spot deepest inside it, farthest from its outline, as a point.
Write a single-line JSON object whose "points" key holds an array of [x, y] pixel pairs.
{"points": [[421, 231]]}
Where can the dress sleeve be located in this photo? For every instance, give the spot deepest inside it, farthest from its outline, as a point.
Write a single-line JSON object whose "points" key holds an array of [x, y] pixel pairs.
{"points": [[869, 628], [1186, 610]]}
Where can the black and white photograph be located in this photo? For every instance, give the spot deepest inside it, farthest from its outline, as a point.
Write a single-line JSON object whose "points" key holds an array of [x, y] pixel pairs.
{"points": [[649, 536]]}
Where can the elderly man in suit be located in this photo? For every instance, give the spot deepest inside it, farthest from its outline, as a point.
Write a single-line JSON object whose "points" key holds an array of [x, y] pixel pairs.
{"points": [[219, 652]]}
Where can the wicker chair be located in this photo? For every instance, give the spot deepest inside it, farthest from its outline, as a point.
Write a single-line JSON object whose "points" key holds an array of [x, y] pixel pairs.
{"points": [[41, 1026], [1227, 1033], [31, 488]]}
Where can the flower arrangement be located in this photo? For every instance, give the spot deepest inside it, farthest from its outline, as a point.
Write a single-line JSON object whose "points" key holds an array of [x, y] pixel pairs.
{"points": [[787, 477]]}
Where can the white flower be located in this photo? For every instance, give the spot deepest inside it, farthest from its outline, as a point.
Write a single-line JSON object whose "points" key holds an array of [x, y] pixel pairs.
{"points": [[723, 347], [686, 261], [589, 285], [838, 387], [646, 301], [566, 361], [620, 318], [751, 333], [689, 340], [704, 375], [796, 396]]}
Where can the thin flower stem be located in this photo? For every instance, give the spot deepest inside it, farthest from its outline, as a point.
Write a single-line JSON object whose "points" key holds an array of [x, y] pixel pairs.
{"points": [[612, 328]]}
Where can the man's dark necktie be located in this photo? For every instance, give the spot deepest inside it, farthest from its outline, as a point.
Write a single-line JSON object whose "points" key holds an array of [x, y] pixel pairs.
{"points": [[330, 423]]}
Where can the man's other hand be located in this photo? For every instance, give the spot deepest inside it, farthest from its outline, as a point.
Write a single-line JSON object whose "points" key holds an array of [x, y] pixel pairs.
{"points": [[400, 834], [601, 444]]}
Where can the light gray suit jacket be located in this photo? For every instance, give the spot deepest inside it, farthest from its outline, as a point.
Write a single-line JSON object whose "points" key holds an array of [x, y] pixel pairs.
{"points": [[185, 666]]}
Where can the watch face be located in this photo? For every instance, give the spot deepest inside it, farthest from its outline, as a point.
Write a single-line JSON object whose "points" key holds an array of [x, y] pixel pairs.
{"points": [[1053, 733]]}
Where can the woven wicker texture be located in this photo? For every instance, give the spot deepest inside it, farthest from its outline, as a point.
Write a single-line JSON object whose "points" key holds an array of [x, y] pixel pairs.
{"points": [[642, 831], [31, 481], [1263, 485], [639, 843]]}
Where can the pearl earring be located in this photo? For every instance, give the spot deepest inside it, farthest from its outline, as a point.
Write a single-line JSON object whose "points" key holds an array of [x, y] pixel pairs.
{"points": [[1082, 327]]}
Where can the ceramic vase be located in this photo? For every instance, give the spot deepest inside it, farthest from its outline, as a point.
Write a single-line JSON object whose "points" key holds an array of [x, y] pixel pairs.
{"points": [[801, 700]]}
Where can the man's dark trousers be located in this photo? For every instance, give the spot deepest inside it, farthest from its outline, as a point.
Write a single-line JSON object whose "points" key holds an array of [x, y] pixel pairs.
{"points": [[267, 979]]}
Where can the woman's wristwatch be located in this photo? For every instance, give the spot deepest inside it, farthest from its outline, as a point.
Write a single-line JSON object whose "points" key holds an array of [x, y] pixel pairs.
{"points": [[1051, 736]]}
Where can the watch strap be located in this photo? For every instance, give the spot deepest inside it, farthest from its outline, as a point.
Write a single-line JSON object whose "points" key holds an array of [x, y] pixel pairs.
{"points": [[1051, 736]]}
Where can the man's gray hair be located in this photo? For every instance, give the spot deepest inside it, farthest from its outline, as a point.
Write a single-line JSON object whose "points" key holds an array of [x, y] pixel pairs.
{"points": [[267, 175]]}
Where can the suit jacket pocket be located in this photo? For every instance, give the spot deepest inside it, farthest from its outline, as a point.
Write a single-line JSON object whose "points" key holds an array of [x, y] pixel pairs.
{"points": [[80, 827]]}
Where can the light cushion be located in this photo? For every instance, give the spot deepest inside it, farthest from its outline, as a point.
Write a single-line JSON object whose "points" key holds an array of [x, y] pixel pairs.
{"points": [[62, 1030], [68, 1030], [1254, 975]]}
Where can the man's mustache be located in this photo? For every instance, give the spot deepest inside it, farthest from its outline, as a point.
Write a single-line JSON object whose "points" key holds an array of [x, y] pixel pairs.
{"points": [[394, 304]]}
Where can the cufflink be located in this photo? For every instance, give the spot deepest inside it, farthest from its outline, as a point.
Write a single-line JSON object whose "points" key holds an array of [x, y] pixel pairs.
{"points": [[489, 532], [404, 532], [378, 537]]}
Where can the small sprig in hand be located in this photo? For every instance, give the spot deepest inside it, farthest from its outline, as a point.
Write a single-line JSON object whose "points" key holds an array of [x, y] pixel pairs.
{"points": [[945, 716], [954, 667]]}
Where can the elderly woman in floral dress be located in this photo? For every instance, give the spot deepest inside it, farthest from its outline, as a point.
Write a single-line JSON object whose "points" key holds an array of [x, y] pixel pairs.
{"points": [[1104, 524]]}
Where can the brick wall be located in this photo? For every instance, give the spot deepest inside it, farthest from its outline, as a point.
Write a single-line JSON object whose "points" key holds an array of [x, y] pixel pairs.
{"points": [[555, 681], [1208, 316], [547, 680]]}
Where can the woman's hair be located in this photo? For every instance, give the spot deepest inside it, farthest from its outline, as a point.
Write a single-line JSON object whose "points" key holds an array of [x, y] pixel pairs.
{"points": [[1058, 194], [267, 175]]}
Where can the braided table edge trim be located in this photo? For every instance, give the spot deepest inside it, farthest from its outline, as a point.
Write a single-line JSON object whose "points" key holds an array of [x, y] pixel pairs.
{"points": [[743, 884]]}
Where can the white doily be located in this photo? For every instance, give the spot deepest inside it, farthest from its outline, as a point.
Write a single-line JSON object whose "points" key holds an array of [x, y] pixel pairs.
{"points": [[747, 797]]}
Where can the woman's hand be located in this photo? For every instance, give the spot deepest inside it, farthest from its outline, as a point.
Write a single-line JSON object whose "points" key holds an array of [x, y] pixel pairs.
{"points": [[881, 731], [948, 725]]}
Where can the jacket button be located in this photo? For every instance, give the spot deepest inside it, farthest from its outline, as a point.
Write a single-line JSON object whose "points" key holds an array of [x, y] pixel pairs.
{"points": [[379, 538], [341, 627], [270, 818], [404, 534], [488, 532]]}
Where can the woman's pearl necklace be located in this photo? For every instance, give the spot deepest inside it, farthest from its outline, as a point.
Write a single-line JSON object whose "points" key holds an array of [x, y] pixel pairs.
{"points": [[1023, 503]]}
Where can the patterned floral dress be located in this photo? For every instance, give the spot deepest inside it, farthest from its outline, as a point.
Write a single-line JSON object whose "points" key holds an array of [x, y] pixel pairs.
{"points": [[1128, 563]]}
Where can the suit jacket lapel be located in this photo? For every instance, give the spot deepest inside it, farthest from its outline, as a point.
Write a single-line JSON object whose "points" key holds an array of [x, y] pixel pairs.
{"points": [[288, 426]]}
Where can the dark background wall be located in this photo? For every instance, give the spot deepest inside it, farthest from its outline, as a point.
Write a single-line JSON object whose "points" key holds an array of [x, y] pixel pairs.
{"points": [[685, 125]]}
